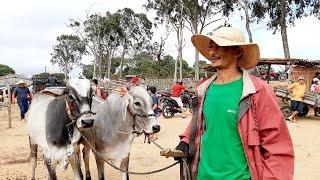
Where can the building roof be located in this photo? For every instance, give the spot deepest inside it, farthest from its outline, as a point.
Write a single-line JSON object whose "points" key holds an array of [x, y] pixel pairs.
{"points": [[289, 61], [13, 79]]}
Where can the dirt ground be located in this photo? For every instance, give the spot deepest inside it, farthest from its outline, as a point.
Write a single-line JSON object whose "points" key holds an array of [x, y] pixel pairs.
{"points": [[14, 151]]}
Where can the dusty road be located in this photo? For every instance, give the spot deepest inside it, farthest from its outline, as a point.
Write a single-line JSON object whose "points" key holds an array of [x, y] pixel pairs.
{"points": [[14, 151]]}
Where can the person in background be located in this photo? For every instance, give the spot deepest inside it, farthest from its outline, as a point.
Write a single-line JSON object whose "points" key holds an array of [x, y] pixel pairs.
{"points": [[1, 95], [155, 105], [52, 80], [96, 88], [297, 91], [238, 131], [317, 75], [21, 95], [315, 87], [135, 81], [176, 91]]}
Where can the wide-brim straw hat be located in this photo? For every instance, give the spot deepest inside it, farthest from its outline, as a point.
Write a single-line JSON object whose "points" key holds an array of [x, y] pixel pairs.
{"points": [[229, 36], [301, 78], [21, 82]]}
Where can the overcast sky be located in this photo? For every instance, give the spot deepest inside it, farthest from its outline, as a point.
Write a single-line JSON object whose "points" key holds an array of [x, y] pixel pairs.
{"points": [[28, 30]]}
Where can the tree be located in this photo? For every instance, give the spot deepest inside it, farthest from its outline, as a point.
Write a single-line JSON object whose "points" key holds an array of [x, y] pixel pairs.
{"points": [[143, 65], [170, 12], [202, 72], [186, 71], [316, 9], [113, 35], [5, 70], [90, 33], [282, 14], [68, 52], [102, 35], [167, 64], [198, 15], [230, 5], [136, 31], [87, 71], [244, 4]]}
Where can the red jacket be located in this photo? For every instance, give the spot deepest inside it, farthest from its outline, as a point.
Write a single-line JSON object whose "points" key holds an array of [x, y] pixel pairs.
{"points": [[264, 135]]}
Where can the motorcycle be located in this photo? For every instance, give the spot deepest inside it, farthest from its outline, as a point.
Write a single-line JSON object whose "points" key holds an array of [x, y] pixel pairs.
{"points": [[170, 107]]}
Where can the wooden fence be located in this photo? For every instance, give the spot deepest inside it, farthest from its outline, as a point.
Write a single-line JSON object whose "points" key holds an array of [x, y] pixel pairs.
{"points": [[160, 84], [165, 84]]}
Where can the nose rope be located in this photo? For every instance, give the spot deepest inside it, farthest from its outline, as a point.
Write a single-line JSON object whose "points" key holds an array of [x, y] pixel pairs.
{"points": [[134, 121], [142, 115], [123, 170]]}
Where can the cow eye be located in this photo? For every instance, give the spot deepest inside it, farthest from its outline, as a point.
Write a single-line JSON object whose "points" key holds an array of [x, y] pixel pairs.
{"points": [[137, 104], [71, 98]]}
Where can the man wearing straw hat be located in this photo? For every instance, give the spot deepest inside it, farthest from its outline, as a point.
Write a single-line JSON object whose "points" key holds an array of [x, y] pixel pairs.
{"points": [[21, 94], [238, 131], [297, 91]]}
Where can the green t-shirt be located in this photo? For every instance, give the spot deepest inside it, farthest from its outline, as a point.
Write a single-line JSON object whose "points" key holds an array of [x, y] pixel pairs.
{"points": [[222, 156]]}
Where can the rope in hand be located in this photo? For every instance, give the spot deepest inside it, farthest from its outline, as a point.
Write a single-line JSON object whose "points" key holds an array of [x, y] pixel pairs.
{"points": [[123, 170]]}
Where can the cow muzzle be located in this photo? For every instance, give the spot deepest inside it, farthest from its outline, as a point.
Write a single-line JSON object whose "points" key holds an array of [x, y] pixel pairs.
{"points": [[85, 119], [156, 128]]}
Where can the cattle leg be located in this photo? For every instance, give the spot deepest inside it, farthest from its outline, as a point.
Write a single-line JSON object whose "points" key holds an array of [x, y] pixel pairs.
{"points": [[125, 166], [76, 163], [33, 158], [100, 166], [86, 158], [51, 168]]}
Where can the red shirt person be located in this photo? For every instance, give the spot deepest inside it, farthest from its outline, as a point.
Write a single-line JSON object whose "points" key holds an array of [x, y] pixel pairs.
{"points": [[176, 91], [97, 89]]}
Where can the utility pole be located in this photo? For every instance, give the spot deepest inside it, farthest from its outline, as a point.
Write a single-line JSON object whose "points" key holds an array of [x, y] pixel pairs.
{"points": [[9, 104]]}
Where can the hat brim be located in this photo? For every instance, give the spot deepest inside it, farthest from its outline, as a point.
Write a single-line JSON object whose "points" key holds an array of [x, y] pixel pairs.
{"points": [[249, 58], [21, 83]]}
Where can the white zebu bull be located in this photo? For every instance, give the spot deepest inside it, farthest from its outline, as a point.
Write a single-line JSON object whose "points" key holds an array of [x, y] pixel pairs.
{"points": [[49, 116], [132, 112]]}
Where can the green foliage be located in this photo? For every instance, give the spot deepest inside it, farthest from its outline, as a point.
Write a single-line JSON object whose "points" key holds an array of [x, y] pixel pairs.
{"points": [[44, 76], [68, 52], [202, 64], [167, 11], [143, 65], [294, 9], [87, 71], [5, 70], [136, 30], [196, 14]]}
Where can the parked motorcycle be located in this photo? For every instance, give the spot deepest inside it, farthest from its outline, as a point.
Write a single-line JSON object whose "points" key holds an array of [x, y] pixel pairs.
{"points": [[170, 107]]}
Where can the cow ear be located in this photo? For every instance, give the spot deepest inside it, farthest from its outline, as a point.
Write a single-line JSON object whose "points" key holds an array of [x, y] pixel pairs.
{"points": [[127, 99]]}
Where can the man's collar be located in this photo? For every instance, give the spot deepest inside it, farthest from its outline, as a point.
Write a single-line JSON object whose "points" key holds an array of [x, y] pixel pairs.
{"points": [[248, 87]]}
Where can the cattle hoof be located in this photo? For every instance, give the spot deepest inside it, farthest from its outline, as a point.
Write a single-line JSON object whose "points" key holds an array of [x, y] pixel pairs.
{"points": [[87, 123]]}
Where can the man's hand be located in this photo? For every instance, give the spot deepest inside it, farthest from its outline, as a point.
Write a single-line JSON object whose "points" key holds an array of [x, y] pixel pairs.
{"points": [[184, 147]]}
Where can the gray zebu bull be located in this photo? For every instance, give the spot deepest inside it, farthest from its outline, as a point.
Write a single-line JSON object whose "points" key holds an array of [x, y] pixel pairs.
{"points": [[49, 114], [132, 112]]}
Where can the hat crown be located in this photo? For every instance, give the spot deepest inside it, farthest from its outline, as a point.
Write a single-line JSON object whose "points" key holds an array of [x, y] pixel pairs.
{"points": [[230, 33], [21, 82]]}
